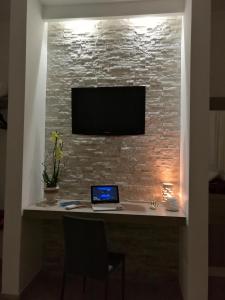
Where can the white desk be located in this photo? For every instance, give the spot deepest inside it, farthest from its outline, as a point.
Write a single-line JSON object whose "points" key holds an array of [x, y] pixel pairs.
{"points": [[137, 230], [138, 213]]}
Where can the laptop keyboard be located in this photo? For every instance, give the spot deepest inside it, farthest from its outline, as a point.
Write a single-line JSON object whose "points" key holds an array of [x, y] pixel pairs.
{"points": [[100, 207]]}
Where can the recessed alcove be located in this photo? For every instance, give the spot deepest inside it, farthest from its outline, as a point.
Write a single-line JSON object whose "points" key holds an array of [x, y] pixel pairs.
{"points": [[121, 51], [26, 133]]}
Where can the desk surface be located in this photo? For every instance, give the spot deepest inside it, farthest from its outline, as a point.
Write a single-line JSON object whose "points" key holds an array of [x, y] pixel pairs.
{"points": [[139, 213]]}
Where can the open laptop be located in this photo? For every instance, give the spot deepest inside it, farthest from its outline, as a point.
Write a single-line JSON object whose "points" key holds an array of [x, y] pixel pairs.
{"points": [[105, 197]]}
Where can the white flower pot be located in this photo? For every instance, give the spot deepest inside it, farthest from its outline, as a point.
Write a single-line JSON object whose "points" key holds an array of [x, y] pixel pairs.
{"points": [[51, 194]]}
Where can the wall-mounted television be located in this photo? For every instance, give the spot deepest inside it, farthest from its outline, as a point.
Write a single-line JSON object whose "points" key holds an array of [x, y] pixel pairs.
{"points": [[108, 110]]}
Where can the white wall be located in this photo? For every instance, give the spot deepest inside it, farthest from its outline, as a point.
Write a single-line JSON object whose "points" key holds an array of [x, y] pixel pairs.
{"points": [[197, 272], [185, 107], [34, 138], [185, 138], [4, 59], [25, 148], [34, 121], [194, 266], [14, 163]]}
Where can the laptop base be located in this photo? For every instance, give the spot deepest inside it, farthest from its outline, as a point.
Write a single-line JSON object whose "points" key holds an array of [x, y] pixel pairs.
{"points": [[102, 207]]}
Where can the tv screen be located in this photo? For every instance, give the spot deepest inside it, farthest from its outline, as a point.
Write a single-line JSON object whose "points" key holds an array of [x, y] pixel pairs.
{"points": [[108, 110]]}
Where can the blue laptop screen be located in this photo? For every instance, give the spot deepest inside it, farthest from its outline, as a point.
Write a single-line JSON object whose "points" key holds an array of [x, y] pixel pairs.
{"points": [[104, 194]]}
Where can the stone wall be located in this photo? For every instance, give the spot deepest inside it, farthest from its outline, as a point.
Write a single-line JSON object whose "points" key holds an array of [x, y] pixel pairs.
{"points": [[151, 250], [111, 53]]}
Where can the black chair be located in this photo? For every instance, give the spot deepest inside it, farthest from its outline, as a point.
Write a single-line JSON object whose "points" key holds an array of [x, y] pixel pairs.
{"points": [[86, 252]]}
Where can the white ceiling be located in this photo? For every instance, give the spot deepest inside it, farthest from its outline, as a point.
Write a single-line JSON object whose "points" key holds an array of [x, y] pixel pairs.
{"points": [[69, 2]]}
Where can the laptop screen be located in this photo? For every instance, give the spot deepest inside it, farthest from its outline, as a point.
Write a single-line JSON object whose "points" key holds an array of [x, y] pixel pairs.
{"points": [[104, 194]]}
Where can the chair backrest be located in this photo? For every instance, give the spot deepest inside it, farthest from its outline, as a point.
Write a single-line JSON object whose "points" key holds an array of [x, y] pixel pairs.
{"points": [[85, 247]]}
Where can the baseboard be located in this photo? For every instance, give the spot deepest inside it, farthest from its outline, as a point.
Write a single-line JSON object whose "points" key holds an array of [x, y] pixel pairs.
{"points": [[217, 271]]}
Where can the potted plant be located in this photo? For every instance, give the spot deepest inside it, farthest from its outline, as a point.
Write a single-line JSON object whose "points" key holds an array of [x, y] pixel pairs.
{"points": [[52, 168]]}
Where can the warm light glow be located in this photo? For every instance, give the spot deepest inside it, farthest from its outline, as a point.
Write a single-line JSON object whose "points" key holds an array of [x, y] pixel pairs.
{"points": [[149, 21], [81, 26], [167, 190]]}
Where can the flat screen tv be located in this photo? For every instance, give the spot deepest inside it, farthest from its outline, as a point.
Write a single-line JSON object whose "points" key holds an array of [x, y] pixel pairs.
{"points": [[108, 110]]}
